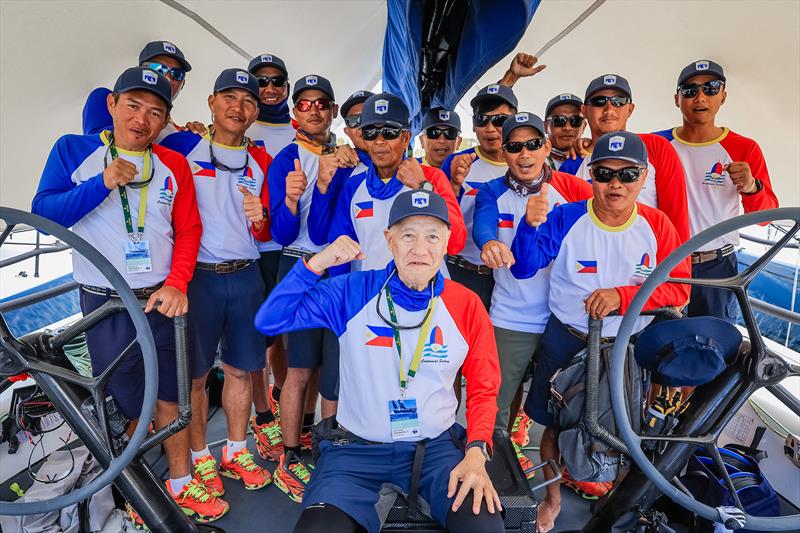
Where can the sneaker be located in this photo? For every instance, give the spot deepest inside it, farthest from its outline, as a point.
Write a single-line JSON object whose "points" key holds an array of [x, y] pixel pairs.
{"points": [[292, 476], [526, 464], [520, 430], [196, 502], [305, 440], [588, 490], [273, 404], [268, 439], [243, 467], [205, 471], [135, 519]]}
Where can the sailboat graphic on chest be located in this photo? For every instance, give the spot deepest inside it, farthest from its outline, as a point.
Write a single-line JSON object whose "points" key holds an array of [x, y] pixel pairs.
{"points": [[435, 347]]}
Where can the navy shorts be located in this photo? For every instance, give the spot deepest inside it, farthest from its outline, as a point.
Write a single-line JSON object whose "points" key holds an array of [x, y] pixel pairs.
{"points": [[480, 284], [111, 336], [350, 476], [222, 309], [313, 348], [707, 301], [268, 264]]}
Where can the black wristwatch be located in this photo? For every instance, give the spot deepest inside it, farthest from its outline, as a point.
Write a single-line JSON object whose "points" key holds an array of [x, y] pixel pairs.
{"points": [[487, 452]]}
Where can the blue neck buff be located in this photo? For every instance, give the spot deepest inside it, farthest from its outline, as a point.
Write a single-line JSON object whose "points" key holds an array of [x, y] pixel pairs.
{"points": [[377, 188], [409, 299], [274, 114]]}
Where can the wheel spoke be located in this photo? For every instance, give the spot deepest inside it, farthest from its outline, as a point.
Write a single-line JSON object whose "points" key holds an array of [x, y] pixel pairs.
{"points": [[6, 233], [721, 283], [110, 307], [758, 265], [713, 451], [103, 378]]}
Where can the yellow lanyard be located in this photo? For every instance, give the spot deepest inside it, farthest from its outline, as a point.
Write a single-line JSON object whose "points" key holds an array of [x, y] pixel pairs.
{"points": [[423, 334]]}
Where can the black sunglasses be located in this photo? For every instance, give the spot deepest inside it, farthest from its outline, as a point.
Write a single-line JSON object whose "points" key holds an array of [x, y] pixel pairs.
{"points": [[389, 133], [515, 147], [710, 88], [353, 121], [480, 120], [625, 175], [177, 74], [451, 134], [559, 121], [616, 101], [277, 81]]}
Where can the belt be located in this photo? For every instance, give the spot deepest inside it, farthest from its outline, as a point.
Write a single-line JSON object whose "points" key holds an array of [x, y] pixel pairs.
{"points": [[711, 255], [144, 292], [226, 267], [460, 262], [585, 337], [297, 252]]}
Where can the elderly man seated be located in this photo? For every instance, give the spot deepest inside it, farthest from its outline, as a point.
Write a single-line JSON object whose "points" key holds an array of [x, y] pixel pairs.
{"points": [[404, 331]]}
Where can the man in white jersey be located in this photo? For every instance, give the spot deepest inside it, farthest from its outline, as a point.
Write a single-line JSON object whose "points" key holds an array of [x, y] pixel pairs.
{"points": [[723, 171], [565, 125]]}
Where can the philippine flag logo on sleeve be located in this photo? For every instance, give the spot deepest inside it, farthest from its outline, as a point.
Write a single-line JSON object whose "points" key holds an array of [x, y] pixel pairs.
{"points": [[364, 209], [474, 185], [586, 267], [204, 168], [505, 220], [379, 336]]}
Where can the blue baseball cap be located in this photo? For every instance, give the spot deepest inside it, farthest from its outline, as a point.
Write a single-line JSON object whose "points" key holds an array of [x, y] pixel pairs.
{"points": [[495, 91], [562, 99], [267, 60], [418, 202], [312, 81], [163, 48], [145, 79], [700, 67], [622, 145], [608, 81], [236, 78], [439, 116], [689, 351], [522, 120], [385, 108], [358, 97]]}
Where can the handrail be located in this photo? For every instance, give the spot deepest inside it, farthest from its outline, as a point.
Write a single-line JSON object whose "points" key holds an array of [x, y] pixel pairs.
{"points": [[759, 240], [774, 310], [36, 297], [39, 250]]}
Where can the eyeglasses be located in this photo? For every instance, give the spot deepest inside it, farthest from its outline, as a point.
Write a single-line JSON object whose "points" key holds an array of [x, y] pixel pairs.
{"points": [[389, 133], [451, 134], [353, 121], [480, 120], [710, 88], [177, 74], [616, 101], [625, 175], [515, 147], [277, 81], [559, 121], [322, 104]]}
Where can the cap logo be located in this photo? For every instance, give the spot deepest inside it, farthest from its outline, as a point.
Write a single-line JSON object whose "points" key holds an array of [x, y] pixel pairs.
{"points": [[493, 89], [444, 115], [311, 80], [616, 143], [242, 77], [149, 77], [420, 199], [701, 65], [357, 94], [609, 79], [170, 48], [521, 117], [565, 96], [381, 106], [266, 58]]}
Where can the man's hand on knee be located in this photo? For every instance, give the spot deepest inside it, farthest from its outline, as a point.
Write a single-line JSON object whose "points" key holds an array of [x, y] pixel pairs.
{"points": [[471, 472]]}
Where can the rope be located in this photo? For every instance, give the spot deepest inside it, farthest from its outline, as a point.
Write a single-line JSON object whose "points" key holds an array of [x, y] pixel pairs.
{"points": [[211, 29], [566, 31]]}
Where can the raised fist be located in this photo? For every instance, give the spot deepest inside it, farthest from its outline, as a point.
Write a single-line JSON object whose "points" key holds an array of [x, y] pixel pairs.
{"points": [[341, 251], [459, 168], [119, 173], [410, 173]]}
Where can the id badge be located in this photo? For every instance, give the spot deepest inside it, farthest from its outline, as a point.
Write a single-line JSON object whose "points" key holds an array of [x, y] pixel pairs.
{"points": [[137, 257], [403, 419]]}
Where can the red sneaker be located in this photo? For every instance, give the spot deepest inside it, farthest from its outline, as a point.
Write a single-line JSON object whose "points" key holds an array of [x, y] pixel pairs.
{"points": [[520, 430], [588, 490], [305, 440], [273, 404], [242, 466], [195, 501], [205, 471], [292, 476], [268, 439]]}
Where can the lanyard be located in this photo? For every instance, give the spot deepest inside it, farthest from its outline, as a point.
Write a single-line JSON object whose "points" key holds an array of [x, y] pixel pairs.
{"points": [[123, 197], [423, 334]]}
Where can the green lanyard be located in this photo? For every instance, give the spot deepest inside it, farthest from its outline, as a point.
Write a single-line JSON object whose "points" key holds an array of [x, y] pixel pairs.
{"points": [[423, 334], [551, 162], [123, 197]]}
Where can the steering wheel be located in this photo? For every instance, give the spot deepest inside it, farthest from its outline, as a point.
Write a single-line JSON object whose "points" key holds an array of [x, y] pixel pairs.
{"points": [[759, 368], [13, 356]]}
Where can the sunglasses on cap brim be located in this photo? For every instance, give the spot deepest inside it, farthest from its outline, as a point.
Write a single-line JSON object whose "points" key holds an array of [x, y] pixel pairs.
{"points": [[389, 133], [177, 74], [624, 175], [559, 121], [276, 81], [515, 147], [434, 132], [480, 120], [709, 88], [616, 101], [322, 104]]}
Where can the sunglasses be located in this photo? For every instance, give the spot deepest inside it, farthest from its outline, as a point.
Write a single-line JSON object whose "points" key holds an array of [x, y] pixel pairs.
{"points": [[616, 101], [515, 147], [559, 121], [277, 81], [353, 121], [323, 104], [625, 175], [451, 134], [710, 88], [177, 74], [389, 133], [481, 120]]}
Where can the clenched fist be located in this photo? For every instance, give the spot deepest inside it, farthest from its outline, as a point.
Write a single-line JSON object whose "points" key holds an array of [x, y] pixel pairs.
{"points": [[119, 173], [296, 184], [537, 207], [347, 156], [341, 251], [459, 168], [524, 65], [741, 176], [251, 203], [496, 254], [410, 173], [328, 165]]}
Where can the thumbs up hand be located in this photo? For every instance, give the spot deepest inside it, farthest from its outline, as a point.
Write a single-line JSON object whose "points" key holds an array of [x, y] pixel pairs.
{"points": [[253, 209], [296, 183], [537, 207]]}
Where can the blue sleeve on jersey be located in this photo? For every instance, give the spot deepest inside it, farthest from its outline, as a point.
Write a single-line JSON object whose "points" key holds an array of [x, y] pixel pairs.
{"points": [[342, 222], [484, 219], [285, 226], [535, 248], [667, 134], [321, 212], [446, 164], [182, 142], [96, 117], [60, 199], [571, 166]]}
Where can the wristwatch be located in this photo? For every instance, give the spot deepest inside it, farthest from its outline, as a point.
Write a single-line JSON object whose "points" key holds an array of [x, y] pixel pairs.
{"points": [[487, 452]]}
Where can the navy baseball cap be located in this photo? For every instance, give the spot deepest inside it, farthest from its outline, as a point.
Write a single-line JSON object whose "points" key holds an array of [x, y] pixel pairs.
{"points": [[562, 99], [439, 116], [358, 97], [163, 48], [608, 81], [522, 120], [236, 78], [698, 68], [267, 60], [622, 145], [495, 91], [689, 351], [385, 108], [418, 202], [312, 81], [144, 79]]}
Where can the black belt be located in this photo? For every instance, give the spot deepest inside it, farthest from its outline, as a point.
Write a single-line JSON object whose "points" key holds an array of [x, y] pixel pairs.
{"points": [[711, 255], [226, 267], [585, 337], [144, 292], [460, 262]]}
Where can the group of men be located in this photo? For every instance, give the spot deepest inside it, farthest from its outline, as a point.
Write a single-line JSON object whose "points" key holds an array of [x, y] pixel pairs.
{"points": [[543, 227]]}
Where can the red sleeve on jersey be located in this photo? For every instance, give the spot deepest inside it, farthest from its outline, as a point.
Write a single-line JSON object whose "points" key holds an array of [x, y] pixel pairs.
{"points": [[458, 232], [481, 366], [572, 188], [670, 182], [263, 159], [186, 222], [743, 149], [667, 294]]}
